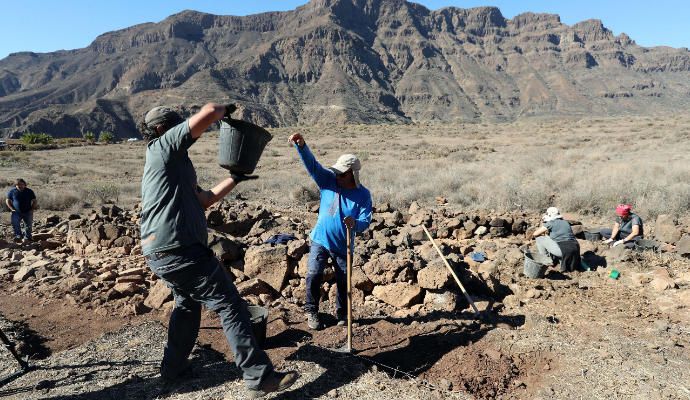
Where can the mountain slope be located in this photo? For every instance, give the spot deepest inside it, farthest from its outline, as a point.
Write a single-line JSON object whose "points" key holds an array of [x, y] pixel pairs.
{"points": [[337, 61]]}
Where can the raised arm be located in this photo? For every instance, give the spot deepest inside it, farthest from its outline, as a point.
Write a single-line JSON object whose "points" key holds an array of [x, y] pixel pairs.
{"points": [[322, 176], [208, 114]]}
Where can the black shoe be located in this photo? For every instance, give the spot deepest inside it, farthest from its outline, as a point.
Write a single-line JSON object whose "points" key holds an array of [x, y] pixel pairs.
{"points": [[274, 382], [173, 375], [313, 321]]}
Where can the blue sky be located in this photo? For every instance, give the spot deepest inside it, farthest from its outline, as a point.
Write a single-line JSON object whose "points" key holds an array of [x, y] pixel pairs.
{"points": [[48, 25]]}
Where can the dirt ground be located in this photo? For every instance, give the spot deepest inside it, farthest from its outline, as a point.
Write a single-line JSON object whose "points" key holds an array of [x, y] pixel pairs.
{"points": [[583, 335]]}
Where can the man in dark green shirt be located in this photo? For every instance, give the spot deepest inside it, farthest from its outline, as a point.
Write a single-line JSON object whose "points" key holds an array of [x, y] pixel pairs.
{"points": [[174, 241]]}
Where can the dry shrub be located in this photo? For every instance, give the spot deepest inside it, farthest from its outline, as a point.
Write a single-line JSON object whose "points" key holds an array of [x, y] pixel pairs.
{"points": [[57, 200]]}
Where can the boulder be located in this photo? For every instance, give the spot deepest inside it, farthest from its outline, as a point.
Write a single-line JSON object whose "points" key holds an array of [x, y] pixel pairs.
{"points": [[665, 229], [399, 294], [361, 281], [24, 273], [225, 249], [297, 248], [481, 231], [440, 300], [662, 280], [73, 284], [215, 218], [498, 222], [683, 246], [268, 263], [126, 288], [254, 287], [383, 269], [416, 234], [433, 277], [617, 254]]}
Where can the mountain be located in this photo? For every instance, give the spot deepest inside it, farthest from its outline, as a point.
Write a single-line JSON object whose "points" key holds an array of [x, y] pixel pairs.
{"points": [[338, 61]]}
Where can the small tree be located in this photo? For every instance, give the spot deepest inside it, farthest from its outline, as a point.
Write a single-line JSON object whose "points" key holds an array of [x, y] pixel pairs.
{"points": [[89, 137], [37, 138], [106, 137]]}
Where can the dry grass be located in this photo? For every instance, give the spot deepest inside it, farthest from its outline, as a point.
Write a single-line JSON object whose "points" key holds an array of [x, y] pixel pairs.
{"points": [[584, 166]]}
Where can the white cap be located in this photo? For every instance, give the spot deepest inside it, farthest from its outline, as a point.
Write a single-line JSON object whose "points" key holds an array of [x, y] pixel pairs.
{"points": [[348, 162]]}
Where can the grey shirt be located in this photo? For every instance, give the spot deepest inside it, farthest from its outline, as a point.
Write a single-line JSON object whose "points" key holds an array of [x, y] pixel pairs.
{"points": [[559, 230], [625, 227], [171, 215]]}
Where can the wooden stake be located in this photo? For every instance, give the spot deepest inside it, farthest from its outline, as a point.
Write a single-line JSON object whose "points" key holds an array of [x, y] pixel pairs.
{"points": [[349, 289], [440, 253]]}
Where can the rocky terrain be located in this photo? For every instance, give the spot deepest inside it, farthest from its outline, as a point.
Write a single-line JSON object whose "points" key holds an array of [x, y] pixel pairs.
{"points": [[567, 335], [356, 61]]}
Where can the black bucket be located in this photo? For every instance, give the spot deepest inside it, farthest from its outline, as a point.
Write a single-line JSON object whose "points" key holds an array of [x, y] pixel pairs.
{"points": [[259, 318], [241, 145], [593, 236]]}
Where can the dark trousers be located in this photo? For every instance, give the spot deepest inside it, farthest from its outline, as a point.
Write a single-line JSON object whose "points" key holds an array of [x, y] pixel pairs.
{"points": [[318, 259], [607, 232], [17, 218], [196, 277]]}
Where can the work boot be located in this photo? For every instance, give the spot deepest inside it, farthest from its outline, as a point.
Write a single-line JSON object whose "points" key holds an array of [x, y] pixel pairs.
{"points": [[274, 382], [176, 374], [313, 321]]}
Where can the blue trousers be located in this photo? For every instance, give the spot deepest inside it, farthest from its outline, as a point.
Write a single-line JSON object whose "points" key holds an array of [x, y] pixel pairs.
{"points": [[196, 277], [17, 218], [318, 259]]}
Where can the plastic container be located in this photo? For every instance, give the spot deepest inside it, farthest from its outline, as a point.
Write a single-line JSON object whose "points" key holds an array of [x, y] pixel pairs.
{"points": [[593, 236], [614, 274], [536, 265], [259, 318], [241, 145]]}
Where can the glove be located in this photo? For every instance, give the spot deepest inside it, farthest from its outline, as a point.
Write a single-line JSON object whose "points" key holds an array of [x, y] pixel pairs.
{"points": [[618, 242], [607, 241], [229, 109], [242, 177]]}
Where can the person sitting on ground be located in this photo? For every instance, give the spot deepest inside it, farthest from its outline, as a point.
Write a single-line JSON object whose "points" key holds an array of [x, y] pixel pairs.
{"points": [[560, 243], [626, 230], [22, 202], [344, 202], [174, 241]]}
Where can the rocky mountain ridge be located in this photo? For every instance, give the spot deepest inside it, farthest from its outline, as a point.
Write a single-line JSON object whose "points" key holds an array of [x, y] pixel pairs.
{"points": [[343, 61]]}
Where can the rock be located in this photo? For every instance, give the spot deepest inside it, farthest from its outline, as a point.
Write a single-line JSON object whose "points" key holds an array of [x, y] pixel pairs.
{"points": [[399, 294], [683, 246], [132, 271], [470, 226], [433, 277], [303, 267], [440, 300], [255, 287], [578, 231], [382, 270], [215, 218], [453, 223], [481, 231], [73, 284], [518, 226], [361, 281], [416, 234], [662, 280], [225, 249], [665, 229], [130, 278], [420, 218], [24, 273], [497, 222], [499, 231], [268, 263], [126, 288], [159, 294], [414, 208], [297, 248], [383, 208], [617, 254]]}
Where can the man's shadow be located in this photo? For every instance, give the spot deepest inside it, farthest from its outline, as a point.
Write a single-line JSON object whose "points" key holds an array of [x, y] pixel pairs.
{"points": [[209, 369]]}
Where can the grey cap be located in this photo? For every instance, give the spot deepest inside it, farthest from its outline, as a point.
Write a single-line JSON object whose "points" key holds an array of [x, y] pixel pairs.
{"points": [[162, 115], [348, 162]]}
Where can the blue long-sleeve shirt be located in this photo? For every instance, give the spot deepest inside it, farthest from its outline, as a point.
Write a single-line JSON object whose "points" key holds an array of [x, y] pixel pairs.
{"points": [[336, 204]]}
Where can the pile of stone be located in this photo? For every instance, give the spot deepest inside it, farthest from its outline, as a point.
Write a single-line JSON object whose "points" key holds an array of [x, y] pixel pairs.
{"points": [[95, 260]]}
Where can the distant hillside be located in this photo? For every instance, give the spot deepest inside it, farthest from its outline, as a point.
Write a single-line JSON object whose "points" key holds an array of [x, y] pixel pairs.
{"points": [[338, 61]]}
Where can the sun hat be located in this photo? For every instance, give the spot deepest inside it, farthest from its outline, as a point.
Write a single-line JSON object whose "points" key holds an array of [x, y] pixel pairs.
{"points": [[623, 210], [552, 213], [348, 162]]}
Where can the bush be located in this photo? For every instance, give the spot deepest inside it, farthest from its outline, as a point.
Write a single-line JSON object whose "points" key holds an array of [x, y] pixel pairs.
{"points": [[57, 201], [103, 192], [37, 138], [89, 136], [106, 137]]}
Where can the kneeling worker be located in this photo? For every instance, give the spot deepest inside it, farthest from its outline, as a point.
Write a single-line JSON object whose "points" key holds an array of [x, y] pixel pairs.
{"points": [[560, 241], [626, 230]]}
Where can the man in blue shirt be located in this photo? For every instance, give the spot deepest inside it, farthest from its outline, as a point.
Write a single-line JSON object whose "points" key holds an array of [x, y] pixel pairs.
{"points": [[22, 202], [174, 240], [344, 202]]}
